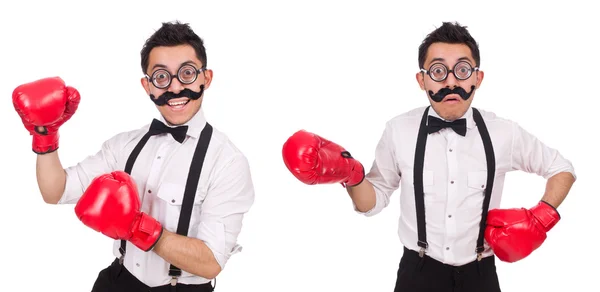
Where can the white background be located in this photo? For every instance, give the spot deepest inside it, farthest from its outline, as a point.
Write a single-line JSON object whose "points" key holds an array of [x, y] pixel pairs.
{"points": [[340, 69]]}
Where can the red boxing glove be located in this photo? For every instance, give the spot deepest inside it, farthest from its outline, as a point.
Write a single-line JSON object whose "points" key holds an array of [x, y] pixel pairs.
{"points": [[514, 234], [111, 205], [315, 160], [44, 105]]}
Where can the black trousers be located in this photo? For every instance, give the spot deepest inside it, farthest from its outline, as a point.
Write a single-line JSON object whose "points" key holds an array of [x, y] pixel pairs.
{"points": [[417, 274], [116, 278]]}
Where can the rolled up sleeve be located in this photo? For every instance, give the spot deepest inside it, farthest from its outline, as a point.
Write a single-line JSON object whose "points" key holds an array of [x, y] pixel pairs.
{"points": [[531, 155], [79, 176], [229, 198], [384, 174]]}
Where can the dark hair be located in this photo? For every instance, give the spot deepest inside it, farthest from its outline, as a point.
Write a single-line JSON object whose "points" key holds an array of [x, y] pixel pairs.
{"points": [[173, 34], [452, 33]]}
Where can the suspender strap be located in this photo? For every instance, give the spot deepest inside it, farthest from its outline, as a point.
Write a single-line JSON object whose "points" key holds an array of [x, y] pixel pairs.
{"points": [[491, 173], [128, 167], [190, 189], [136, 152], [418, 180], [418, 183]]}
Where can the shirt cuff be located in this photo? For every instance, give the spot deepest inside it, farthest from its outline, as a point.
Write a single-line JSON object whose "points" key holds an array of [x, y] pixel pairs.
{"points": [[376, 209], [213, 235], [367, 213], [73, 189], [567, 167]]}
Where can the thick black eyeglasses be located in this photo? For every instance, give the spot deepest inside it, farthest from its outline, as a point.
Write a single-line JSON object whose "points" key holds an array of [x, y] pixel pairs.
{"points": [[186, 74], [439, 72]]}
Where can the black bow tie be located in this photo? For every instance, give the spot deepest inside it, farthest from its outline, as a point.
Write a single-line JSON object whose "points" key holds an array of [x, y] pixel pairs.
{"points": [[178, 133], [435, 124]]}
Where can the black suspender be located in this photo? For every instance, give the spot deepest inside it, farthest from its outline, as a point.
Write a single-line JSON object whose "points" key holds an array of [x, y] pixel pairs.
{"points": [[491, 172], [190, 191], [418, 180], [128, 167], [418, 183], [190, 188]]}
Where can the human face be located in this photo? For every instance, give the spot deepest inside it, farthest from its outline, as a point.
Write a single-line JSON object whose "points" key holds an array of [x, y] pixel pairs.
{"points": [[178, 110], [452, 106]]}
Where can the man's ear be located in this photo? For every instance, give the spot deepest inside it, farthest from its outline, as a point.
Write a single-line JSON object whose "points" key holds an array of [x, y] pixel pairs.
{"points": [[420, 80], [479, 79], [208, 76], [145, 84]]}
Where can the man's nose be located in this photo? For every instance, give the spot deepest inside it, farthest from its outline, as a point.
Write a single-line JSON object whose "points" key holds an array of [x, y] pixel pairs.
{"points": [[451, 80], [175, 86]]}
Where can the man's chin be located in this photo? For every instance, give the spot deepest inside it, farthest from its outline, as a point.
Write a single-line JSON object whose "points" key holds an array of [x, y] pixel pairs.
{"points": [[173, 119], [449, 113], [178, 121], [176, 118]]}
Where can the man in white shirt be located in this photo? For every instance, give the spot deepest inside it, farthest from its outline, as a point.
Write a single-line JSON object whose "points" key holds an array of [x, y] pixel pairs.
{"points": [[172, 194], [450, 161]]}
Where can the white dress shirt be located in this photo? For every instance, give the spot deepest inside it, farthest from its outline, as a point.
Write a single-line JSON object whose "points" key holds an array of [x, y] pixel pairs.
{"points": [[225, 192], [454, 178]]}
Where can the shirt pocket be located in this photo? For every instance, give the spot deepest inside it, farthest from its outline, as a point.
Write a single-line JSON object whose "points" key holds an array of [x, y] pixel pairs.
{"points": [[432, 195], [428, 183], [476, 184], [428, 179], [170, 202]]}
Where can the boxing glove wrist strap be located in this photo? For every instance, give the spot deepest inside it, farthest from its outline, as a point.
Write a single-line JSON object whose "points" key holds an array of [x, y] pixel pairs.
{"points": [[357, 174], [43, 144], [546, 214], [146, 232]]}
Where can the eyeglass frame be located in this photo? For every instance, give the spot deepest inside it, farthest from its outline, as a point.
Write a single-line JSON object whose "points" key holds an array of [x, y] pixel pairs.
{"points": [[171, 76], [428, 72]]}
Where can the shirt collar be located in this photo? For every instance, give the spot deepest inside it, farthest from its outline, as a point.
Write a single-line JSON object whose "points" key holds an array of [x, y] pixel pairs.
{"points": [[195, 124], [468, 116]]}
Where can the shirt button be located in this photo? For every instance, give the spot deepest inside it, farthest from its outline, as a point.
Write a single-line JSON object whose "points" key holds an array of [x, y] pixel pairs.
{"points": [[452, 182], [173, 201], [447, 248], [450, 149], [449, 216], [149, 191], [158, 157], [137, 264]]}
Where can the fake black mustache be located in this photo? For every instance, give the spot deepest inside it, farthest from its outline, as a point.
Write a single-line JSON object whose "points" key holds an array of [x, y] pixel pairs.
{"points": [[164, 98], [439, 96]]}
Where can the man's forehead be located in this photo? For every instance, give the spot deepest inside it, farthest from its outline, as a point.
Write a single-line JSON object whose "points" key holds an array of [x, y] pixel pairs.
{"points": [[173, 57], [448, 53], [174, 65]]}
